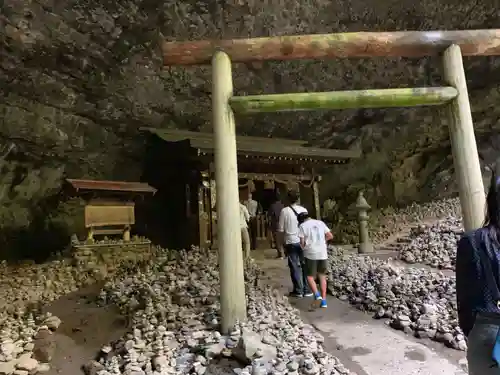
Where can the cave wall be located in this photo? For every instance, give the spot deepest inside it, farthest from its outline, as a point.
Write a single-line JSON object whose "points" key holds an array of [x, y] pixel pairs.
{"points": [[78, 78]]}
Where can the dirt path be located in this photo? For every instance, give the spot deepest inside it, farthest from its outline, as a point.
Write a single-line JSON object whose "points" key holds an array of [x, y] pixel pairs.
{"points": [[85, 328]]}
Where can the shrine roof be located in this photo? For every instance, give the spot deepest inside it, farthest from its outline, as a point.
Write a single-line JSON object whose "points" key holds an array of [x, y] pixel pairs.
{"points": [[118, 186], [276, 148]]}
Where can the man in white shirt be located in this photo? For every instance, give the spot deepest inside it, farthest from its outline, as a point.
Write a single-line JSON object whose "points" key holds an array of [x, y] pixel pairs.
{"points": [[314, 235], [253, 208], [245, 238], [288, 227]]}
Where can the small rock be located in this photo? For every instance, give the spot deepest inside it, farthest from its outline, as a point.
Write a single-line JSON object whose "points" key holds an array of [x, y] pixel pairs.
{"points": [[44, 346], [25, 362], [43, 367], [251, 343], [93, 368], [7, 368], [52, 323]]}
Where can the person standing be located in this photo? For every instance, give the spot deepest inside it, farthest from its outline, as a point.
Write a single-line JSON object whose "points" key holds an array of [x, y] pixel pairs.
{"points": [[478, 288], [288, 228], [253, 207], [273, 217], [245, 237], [314, 235], [329, 208]]}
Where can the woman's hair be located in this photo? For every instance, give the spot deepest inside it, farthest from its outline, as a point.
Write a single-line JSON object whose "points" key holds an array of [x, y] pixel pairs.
{"points": [[493, 205]]}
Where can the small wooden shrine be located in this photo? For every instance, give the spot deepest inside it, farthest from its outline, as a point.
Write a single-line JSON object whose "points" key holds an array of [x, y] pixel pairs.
{"points": [[109, 206], [179, 164]]}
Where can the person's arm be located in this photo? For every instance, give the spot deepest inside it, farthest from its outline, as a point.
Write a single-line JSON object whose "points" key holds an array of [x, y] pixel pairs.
{"points": [[302, 237], [466, 270], [246, 213], [281, 228], [281, 221], [328, 233]]}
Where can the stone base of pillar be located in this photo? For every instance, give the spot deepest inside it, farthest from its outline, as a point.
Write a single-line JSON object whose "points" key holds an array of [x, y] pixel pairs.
{"points": [[366, 247]]}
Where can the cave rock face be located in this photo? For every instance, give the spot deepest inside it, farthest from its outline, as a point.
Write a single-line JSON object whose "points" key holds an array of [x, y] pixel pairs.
{"points": [[78, 78]]}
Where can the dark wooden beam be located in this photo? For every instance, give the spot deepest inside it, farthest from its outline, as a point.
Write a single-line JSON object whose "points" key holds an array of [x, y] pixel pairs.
{"points": [[177, 135], [341, 45]]}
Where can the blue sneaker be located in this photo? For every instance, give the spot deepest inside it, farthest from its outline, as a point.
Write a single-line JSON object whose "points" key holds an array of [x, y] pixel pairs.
{"points": [[323, 304], [317, 296]]}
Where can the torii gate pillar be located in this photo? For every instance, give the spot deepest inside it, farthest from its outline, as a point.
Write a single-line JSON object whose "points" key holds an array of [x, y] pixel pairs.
{"points": [[463, 143], [231, 272]]}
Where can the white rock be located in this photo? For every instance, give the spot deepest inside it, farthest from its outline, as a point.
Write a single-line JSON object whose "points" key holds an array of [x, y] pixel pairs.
{"points": [[26, 363], [43, 367], [7, 368]]}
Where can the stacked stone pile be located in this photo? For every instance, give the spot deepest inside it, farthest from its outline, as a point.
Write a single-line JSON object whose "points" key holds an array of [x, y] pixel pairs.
{"points": [[434, 245], [102, 259], [24, 331], [27, 284], [417, 301], [25, 343], [397, 221], [173, 305]]}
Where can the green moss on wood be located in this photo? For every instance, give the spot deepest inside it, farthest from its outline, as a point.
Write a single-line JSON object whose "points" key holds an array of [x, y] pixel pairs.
{"points": [[385, 98]]}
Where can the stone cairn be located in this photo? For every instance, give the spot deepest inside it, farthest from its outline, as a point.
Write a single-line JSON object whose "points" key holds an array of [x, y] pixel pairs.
{"points": [[174, 309], [417, 301], [434, 245], [399, 220], [24, 289]]}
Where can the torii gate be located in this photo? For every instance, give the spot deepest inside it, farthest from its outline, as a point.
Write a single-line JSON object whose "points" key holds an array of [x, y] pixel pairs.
{"points": [[453, 44]]}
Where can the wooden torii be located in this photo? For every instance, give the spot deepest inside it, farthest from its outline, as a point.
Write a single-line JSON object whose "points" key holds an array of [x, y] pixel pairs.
{"points": [[451, 44]]}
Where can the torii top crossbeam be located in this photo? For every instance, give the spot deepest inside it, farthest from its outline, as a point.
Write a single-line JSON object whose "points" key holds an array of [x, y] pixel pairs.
{"points": [[340, 45]]}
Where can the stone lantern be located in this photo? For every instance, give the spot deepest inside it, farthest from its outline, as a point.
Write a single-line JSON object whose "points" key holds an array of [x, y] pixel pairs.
{"points": [[362, 206]]}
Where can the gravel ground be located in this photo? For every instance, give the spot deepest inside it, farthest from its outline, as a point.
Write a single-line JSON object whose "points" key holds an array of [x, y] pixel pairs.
{"points": [[170, 305]]}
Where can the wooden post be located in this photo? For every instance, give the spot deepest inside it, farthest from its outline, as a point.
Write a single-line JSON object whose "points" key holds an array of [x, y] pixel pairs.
{"points": [[463, 143], [231, 272], [213, 200], [126, 233], [202, 224], [211, 215], [90, 235], [317, 205]]}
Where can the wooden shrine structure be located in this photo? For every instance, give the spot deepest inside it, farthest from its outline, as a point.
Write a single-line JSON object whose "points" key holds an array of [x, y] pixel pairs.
{"points": [[109, 206], [221, 54], [180, 165]]}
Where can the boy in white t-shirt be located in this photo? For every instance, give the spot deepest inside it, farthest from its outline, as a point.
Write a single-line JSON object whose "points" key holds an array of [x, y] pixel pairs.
{"points": [[314, 235]]}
